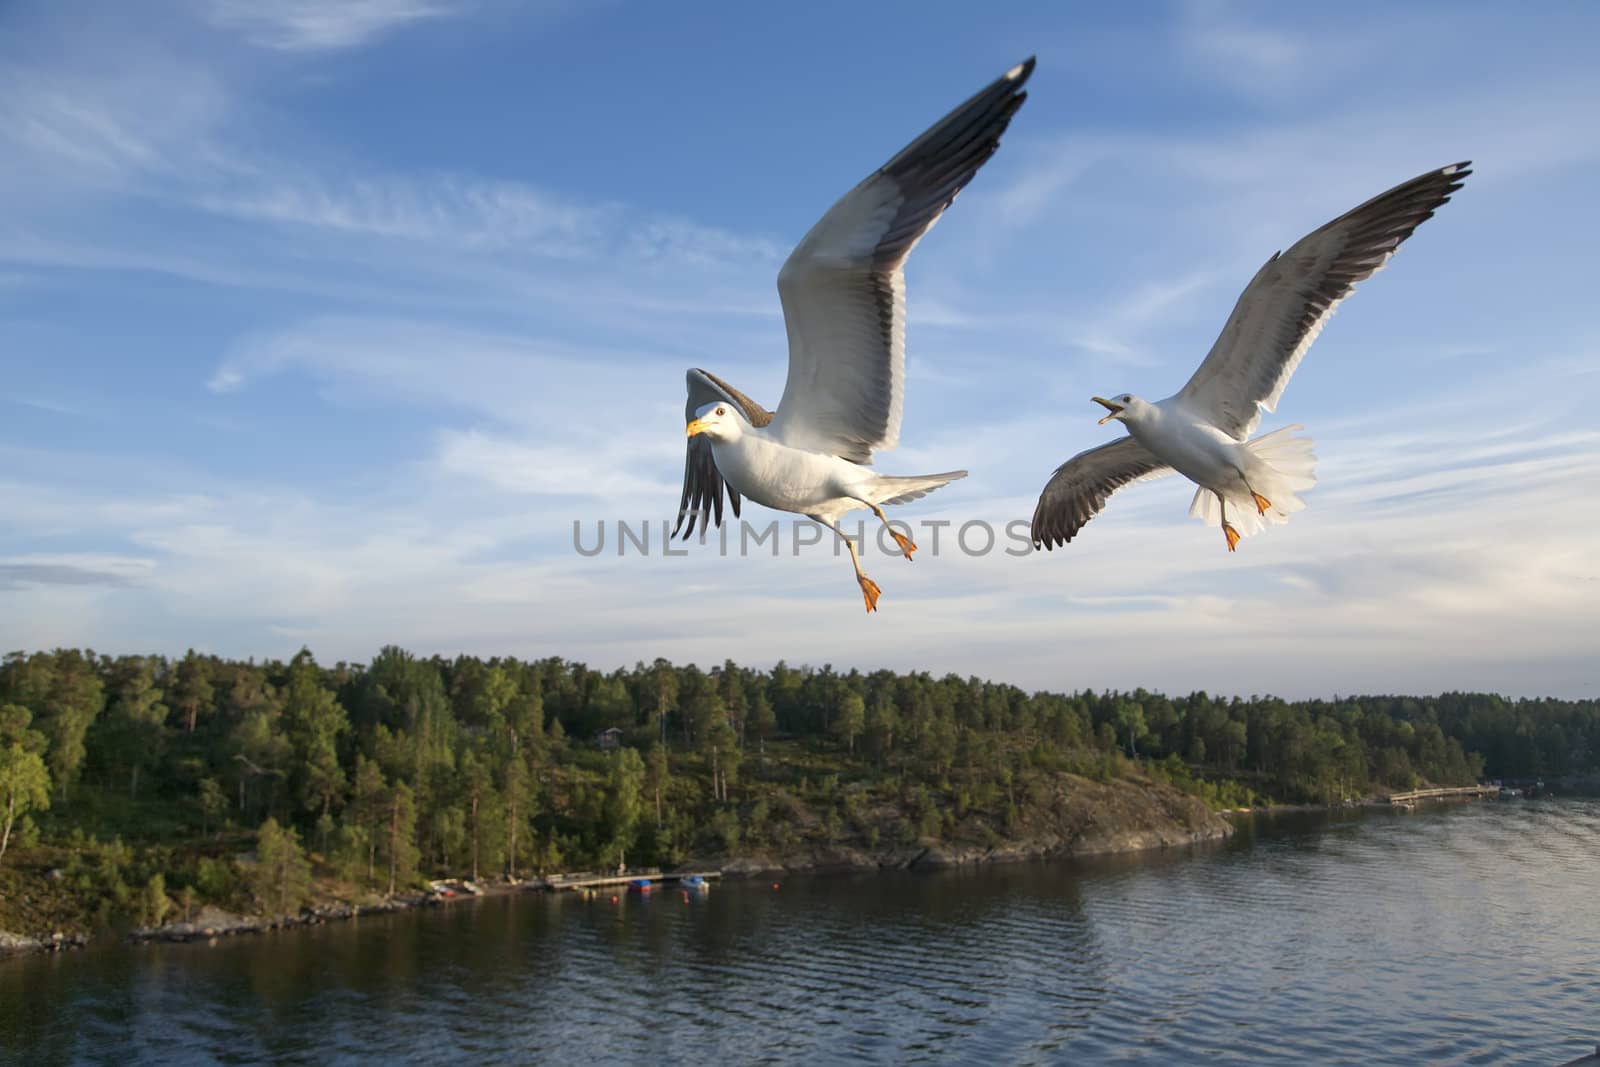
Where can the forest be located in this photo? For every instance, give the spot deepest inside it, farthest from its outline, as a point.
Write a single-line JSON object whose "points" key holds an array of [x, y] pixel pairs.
{"points": [[135, 781]]}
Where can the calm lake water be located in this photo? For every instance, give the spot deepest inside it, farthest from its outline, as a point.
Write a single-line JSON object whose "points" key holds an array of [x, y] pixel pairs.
{"points": [[1460, 935]]}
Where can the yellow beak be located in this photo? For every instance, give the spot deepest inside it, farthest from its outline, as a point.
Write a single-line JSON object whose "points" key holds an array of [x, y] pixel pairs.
{"points": [[697, 426], [1115, 409]]}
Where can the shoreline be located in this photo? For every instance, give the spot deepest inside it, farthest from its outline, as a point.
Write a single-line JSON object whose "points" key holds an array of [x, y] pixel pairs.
{"points": [[1082, 819]]}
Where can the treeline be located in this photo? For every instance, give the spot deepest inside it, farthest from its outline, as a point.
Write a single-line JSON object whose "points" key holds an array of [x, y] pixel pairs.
{"points": [[506, 767]]}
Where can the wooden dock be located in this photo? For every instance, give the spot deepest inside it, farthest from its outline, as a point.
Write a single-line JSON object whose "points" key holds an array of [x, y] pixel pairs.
{"points": [[591, 881], [1442, 794]]}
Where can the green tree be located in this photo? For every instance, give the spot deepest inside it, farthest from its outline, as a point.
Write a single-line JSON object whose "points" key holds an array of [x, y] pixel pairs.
{"points": [[722, 745], [850, 720], [660, 776], [191, 689], [763, 720], [400, 837], [477, 783], [131, 732], [281, 881], [883, 721], [73, 699], [663, 694], [622, 805], [24, 778], [213, 803], [153, 902], [516, 795], [368, 807], [1131, 723], [314, 720]]}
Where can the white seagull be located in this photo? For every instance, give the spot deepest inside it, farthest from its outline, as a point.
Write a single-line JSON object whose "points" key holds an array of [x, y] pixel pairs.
{"points": [[1203, 430], [843, 293]]}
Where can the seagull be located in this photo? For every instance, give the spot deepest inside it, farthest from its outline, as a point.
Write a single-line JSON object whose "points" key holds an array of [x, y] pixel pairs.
{"points": [[1203, 430], [844, 304]]}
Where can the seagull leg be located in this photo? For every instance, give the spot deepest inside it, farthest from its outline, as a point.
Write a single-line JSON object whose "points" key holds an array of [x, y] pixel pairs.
{"points": [[869, 588], [1261, 502], [905, 543], [1227, 528]]}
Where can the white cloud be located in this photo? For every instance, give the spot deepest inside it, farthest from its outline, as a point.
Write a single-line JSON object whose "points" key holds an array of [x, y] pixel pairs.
{"points": [[1428, 559], [133, 117], [444, 210], [426, 363], [322, 25], [604, 462]]}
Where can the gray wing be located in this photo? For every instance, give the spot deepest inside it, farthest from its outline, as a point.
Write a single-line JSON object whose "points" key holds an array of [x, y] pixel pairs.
{"points": [[1080, 487], [1286, 304], [843, 288], [702, 482]]}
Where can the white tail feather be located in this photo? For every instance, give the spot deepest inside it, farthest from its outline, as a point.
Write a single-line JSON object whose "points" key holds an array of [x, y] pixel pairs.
{"points": [[1280, 468], [889, 489]]}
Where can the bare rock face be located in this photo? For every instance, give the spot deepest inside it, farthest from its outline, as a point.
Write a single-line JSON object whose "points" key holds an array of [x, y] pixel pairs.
{"points": [[52, 942], [1079, 817]]}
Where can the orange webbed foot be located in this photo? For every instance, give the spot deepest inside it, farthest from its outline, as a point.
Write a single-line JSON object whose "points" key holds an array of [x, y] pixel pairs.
{"points": [[869, 592], [1232, 535], [1262, 503], [905, 543]]}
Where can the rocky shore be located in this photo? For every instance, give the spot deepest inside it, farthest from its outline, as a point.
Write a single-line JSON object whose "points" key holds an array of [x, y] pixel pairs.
{"points": [[1080, 817]]}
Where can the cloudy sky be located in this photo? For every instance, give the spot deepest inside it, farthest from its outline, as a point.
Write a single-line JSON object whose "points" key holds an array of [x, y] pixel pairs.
{"points": [[324, 326]]}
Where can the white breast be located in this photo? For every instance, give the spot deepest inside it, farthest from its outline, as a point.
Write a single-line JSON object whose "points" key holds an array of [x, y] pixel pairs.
{"points": [[778, 476]]}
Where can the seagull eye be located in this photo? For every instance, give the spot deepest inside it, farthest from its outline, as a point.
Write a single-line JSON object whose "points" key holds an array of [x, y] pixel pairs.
{"points": [[722, 411]]}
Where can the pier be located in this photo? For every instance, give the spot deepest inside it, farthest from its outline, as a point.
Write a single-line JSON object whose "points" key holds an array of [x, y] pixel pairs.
{"points": [[1440, 794], [591, 881]]}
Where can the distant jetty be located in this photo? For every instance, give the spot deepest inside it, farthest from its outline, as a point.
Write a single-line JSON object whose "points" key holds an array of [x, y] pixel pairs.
{"points": [[1448, 793], [588, 882]]}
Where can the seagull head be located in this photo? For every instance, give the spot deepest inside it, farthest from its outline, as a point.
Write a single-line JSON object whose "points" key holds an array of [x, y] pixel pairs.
{"points": [[1125, 407], [718, 420]]}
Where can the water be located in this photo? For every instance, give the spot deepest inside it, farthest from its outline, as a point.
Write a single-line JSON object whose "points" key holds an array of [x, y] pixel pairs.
{"points": [[1460, 935]]}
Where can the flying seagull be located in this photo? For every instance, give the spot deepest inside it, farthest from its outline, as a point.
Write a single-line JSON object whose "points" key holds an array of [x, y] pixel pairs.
{"points": [[844, 304], [1203, 430]]}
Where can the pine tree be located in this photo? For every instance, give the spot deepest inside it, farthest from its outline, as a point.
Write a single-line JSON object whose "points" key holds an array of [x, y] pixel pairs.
{"points": [[400, 836], [282, 877]]}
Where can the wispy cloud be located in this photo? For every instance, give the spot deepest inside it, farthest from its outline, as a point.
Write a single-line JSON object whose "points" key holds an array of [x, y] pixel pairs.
{"points": [[609, 462], [71, 570], [133, 117], [1261, 60], [323, 25], [443, 210], [515, 379]]}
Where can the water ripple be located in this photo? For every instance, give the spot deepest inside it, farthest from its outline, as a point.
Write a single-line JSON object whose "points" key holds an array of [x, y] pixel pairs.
{"points": [[1461, 935]]}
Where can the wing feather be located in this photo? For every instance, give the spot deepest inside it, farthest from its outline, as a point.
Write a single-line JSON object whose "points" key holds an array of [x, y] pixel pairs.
{"points": [[1283, 309], [703, 487], [843, 287], [1080, 487]]}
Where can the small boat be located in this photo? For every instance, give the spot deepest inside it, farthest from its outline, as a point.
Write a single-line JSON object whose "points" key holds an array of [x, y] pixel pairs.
{"points": [[695, 881], [643, 885], [1507, 793]]}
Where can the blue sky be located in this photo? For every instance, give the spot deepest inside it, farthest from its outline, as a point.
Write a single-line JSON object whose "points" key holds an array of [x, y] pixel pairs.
{"points": [[323, 326]]}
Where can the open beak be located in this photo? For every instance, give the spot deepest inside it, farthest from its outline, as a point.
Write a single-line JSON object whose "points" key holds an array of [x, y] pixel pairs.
{"points": [[697, 426], [1115, 409]]}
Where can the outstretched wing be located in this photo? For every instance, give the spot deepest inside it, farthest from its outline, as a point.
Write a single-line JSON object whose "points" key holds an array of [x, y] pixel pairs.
{"points": [[1080, 487], [702, 483], [1286, 304], [843, 288]]}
